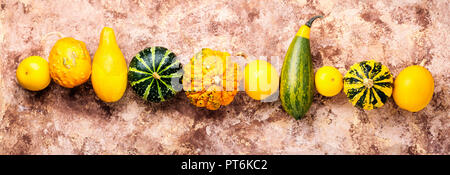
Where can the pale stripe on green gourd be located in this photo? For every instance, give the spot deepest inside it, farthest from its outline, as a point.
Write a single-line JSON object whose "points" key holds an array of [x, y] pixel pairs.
{"points": [[143, 74], [138, 71], [138, 57], [170, 66], [163, 59], [147, 90]]}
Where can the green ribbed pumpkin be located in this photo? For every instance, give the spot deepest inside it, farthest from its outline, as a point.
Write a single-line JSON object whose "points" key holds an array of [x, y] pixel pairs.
{"points": [[155, 74], [368, 84]]}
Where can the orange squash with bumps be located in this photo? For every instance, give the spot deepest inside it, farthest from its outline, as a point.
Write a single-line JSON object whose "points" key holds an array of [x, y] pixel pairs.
{"points": [[211, 79]]}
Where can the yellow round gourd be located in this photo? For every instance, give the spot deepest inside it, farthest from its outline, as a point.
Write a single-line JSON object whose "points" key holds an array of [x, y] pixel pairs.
{"points": [[261, 79], [33, 73], [328, 81], [413, 88]]}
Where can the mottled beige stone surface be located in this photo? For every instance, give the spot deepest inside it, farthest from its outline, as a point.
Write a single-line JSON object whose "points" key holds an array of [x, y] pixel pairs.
{"points": [[75, 121]]}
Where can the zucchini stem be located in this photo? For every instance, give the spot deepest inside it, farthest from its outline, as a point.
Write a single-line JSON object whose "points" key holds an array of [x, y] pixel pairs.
{"points": [[309, 23]]}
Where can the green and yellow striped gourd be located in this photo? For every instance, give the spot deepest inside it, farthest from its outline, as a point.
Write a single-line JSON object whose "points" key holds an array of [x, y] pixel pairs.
{"points": [[368, 84], [297, 80]]}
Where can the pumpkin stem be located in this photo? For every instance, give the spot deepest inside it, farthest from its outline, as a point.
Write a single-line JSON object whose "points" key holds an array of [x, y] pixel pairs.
{"points": [[156, 76], [423, 62], [44, 39], [368, 83], [60, 35], [242, 54]]}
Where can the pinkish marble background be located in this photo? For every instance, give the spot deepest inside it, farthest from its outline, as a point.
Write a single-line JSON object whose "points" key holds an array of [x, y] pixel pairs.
{"points": [[75, 121]]}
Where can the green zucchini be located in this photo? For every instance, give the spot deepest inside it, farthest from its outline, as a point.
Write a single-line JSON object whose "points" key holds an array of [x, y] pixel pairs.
{"points": [[297, 80]]}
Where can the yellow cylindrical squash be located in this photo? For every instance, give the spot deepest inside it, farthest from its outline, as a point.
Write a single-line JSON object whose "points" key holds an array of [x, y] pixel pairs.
{"points": [[109, 68]]}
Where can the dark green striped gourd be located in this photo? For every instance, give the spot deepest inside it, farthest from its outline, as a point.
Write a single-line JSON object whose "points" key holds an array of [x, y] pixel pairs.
{"points": [[368, 84], [297, 81], [155, 74]]}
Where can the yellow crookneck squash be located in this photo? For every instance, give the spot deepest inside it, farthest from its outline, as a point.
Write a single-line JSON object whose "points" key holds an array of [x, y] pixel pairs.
{"points": [[211, 79], [109, 68]]}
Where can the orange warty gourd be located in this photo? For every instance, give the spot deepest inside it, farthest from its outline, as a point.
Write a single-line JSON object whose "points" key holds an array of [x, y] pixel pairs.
{"points": [[69, 62], [211, 79]]}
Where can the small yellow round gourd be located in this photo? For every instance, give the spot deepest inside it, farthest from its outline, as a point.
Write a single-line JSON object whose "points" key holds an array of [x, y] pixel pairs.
{"points": [[413, 88], [33, 73], [328, 81], [261, 79]]}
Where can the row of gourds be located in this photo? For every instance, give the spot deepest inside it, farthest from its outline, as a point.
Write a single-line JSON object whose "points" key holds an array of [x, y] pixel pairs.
{"points": [[211, 79]]}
